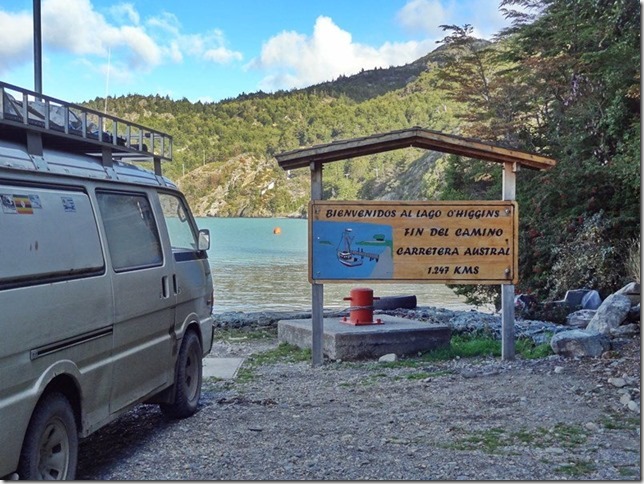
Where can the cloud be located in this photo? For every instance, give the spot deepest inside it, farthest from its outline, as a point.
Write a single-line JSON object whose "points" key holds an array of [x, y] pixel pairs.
{"points": [[424, 16], [76, 27], [16, 44], [294, 60]]}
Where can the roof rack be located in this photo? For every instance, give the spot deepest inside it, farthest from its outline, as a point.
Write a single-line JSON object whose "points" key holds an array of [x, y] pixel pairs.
{"points": [[50, 122]]}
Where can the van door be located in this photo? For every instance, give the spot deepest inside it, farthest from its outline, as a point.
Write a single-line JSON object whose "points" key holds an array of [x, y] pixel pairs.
{"points": [[143, 298], [192, 280]]}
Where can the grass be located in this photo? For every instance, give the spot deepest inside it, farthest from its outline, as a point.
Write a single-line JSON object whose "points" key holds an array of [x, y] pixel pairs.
{"points": [[472, 346], [490, 440], [233, 335], [283, 353]]}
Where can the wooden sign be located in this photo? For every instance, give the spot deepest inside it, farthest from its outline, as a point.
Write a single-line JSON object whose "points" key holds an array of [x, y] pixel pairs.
{"points": [[474, 242]]}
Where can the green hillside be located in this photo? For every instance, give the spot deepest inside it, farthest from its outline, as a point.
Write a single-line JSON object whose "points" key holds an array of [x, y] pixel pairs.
{"points": [[564, 83]]}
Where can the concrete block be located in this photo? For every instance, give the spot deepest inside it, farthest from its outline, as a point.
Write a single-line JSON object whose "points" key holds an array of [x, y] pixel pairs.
{"points": [[342, 341]]}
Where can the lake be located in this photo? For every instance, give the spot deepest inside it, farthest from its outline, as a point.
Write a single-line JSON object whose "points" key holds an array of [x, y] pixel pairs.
{"points": [[255, 269]]}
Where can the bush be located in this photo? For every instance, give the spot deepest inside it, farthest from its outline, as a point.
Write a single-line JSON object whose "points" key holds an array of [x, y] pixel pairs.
{"points": [[590, 259]]}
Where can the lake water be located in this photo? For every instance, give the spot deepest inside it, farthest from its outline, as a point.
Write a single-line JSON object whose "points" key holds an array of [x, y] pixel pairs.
{"points": [[255, 269]]}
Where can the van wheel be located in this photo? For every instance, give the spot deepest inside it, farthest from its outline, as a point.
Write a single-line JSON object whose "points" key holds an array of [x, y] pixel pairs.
{"points": [[188, 379], [50, 449]]}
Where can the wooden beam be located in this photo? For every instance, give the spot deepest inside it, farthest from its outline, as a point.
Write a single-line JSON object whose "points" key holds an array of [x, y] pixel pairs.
{"points": [[412, 137]]}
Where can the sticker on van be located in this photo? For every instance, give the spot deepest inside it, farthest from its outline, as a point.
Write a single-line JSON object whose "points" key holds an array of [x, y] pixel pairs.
{"points": [[68, 204], [23, 204], [8, 205]]}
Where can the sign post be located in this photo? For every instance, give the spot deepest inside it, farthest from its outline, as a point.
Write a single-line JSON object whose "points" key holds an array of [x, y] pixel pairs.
{"points": [[470, 243], [317, 290], [507, 290]]}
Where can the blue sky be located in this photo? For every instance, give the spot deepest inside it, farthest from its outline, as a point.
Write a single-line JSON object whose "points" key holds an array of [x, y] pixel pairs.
{"points": [[213, 49]]}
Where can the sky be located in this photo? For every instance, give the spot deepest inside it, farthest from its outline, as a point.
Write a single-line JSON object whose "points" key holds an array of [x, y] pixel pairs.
{"points": [[209, 50]]}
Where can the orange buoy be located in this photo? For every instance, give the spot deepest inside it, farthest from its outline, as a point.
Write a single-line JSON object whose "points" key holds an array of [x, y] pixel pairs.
{"points": [[277, 230]]}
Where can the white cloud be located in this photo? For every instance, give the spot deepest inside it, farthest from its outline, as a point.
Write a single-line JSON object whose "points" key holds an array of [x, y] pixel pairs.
{"points": [[424, 16], [294, 60], [16, 44], [76, 27], [125, 12]]}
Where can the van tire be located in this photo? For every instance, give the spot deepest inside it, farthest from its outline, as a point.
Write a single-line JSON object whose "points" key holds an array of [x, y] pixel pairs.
{"points": [[188, 376], [50, 448]]}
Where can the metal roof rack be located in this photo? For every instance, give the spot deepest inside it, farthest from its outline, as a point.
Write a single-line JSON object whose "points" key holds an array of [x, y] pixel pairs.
{"points": [[49, 122]]}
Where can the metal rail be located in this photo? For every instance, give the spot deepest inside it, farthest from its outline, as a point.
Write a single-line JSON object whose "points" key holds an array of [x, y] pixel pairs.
{"points": [[78, 128]]}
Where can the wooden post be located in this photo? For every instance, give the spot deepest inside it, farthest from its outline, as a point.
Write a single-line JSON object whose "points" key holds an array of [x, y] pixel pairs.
{"points": [[507, 290], [317, 290]]}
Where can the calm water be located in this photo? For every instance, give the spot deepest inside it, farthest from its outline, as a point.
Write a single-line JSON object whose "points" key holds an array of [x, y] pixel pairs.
{"points": [[257, 270]]}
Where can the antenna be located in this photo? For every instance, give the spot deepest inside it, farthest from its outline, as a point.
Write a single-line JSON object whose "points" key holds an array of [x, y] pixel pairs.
{"points": [[107, 77]]}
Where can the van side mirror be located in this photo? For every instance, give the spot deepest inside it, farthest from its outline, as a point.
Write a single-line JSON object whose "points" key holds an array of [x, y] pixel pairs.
{"points": [[204, 239]]}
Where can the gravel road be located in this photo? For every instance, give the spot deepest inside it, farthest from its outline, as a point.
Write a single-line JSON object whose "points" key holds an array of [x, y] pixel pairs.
{"points": [[480, 419]]}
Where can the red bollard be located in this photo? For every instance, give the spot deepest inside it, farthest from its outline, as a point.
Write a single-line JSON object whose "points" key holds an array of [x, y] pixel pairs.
{"points": [[361, 310]]}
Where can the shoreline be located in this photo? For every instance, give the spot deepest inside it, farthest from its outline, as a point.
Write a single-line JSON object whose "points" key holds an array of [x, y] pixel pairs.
{"points": [[460, 322]]}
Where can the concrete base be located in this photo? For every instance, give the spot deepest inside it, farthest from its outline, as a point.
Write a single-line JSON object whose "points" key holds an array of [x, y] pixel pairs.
{"points": [[346, 342]]}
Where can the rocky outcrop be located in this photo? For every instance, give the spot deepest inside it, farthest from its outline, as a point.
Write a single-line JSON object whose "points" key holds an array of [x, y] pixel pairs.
{"points": [[596, 331]]}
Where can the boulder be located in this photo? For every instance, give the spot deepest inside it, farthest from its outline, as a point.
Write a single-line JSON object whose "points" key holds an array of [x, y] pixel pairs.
{"points": [[580, 319], [574, 297], [591, 300], [625, 330], [634, 315], [610, 314], [579, 343], [632, 292]]}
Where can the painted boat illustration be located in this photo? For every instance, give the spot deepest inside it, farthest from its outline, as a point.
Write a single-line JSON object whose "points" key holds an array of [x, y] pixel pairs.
{"points": [[350, 257]]}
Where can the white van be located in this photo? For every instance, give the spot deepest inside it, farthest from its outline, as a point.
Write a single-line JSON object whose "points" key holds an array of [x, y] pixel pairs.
{"points": [[105, 288]]}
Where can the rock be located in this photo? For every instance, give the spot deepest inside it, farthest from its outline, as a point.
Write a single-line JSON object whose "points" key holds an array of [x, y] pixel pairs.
{"points": [[634, 406], [580, 319], [591, 300], [625, 399], [632, 292], [625, 330], [574, 297], [389, 358], [610, 314], [634, 315], [617, 382], [579, 343]]}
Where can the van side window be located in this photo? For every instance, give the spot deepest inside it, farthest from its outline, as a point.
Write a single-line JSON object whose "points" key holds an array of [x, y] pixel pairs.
{"points": [[48, 235], [180, 230], [132, 235]]}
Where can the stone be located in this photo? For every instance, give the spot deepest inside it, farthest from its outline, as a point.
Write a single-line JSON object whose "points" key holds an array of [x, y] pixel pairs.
{"points": [[634, 406], [388, 358], [580, 319], [625, 330], [574, 297], [610, 314], [634, 315], [591, 300], [625, 399], [632, 292], [617, 382], [579, 343]]}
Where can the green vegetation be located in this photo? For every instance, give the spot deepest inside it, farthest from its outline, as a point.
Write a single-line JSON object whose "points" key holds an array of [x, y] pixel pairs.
{"points": [[563, 81], [240, 334], [470, 346], [491, 440], [284, 352]]}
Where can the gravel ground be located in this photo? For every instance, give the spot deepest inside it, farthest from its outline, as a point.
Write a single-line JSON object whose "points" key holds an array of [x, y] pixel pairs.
{"points": [[481, 419]]}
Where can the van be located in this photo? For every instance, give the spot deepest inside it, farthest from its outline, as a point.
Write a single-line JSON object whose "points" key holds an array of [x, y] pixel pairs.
{"points": [[106, 293]]}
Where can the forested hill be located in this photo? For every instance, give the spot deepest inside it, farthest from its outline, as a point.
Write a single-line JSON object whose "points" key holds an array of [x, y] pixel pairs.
{"points": [[564, 83]]}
